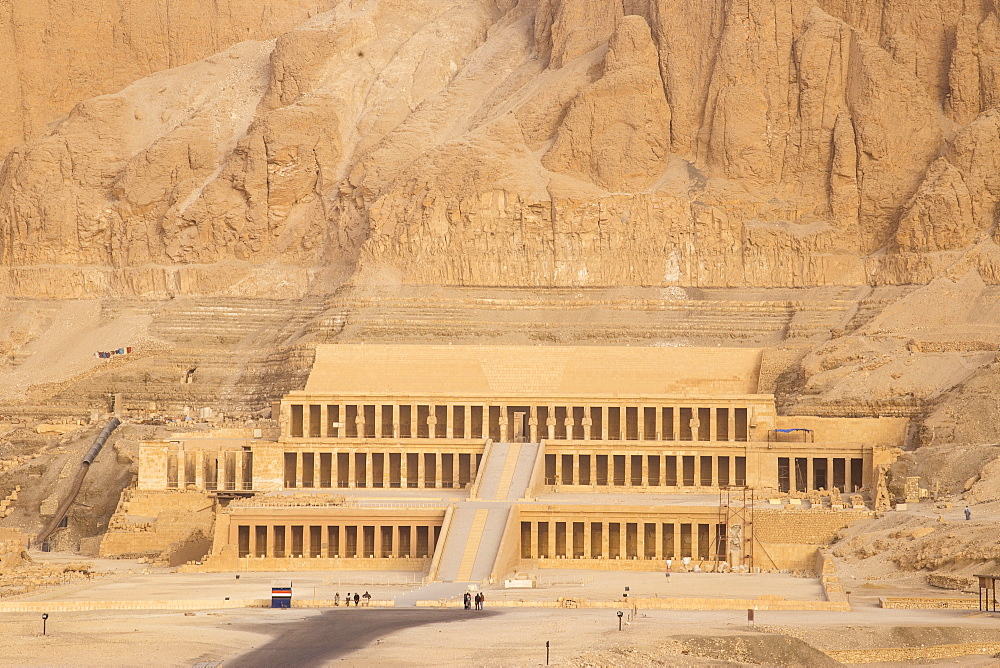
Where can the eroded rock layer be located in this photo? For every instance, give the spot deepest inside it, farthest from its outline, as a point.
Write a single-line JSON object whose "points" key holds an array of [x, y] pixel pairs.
{"points": [[540, 143]]}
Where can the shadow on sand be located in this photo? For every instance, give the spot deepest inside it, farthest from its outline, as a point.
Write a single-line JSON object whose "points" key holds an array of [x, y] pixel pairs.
{"points": [[335, 633]]}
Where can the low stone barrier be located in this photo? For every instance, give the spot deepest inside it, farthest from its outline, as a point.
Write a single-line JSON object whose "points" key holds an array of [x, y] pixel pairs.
{"points": [[928, 603], [193, 604], [908, 654], [768, 603]]}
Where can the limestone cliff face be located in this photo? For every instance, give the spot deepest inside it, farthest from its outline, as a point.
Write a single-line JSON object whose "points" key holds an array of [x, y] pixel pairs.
{"points": [[532, 143], [56, 53]]}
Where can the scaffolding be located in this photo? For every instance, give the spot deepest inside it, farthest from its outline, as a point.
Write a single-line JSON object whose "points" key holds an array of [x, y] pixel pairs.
{"points": [[736, 508]]}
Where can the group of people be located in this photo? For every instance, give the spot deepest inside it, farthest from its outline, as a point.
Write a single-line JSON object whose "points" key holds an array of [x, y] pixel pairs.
{"points": [[480, 598], [357, 598]]}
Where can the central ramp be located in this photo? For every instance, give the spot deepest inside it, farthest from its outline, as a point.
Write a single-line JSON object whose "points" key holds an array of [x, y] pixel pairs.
{"points": [[477, 525]]}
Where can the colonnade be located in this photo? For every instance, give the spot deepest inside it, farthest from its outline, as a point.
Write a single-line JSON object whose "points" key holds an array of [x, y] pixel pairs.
{"points": [[645, 470], [532, 423], [222, 470], [371, 469], [638, 539], [351, 541], [804, 474]]}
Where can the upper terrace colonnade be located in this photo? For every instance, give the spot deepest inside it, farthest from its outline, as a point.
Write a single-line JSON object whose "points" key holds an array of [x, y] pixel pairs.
{"points": [[529, 393]]}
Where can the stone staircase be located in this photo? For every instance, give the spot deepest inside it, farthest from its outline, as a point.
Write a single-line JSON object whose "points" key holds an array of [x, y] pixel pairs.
{"points": [[477, 525]]}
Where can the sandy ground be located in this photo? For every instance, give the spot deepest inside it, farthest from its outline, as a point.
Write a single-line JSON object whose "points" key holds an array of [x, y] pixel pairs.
{"points": [[495, 637], [516, 637]]}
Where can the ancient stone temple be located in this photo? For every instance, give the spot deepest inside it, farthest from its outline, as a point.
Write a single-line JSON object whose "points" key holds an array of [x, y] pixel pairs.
{"points": [[467, 461]]}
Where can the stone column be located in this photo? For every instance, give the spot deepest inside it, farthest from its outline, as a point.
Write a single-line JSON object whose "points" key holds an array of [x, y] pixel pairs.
{"points": [[558, 457], [552, 539], [675, 411], [628, 469], [810, 479], [270, 541], [378, 420], [576, 468], [404, 471], [659, 423], [352, 469], [713, 427], [377, 549], [848, 482], [732, 423], [421, 473], [342, 429], [359, 421], [199, 469], [587, 540], [658, 537], [697, 469], [318, 470], [504, 438], [640, 540], [605, 541], [604, 422], [829, 474], [640, 415], [449, 421], [369, 473], [324, 421], [437, 470], [535, 551], [533, 423]]}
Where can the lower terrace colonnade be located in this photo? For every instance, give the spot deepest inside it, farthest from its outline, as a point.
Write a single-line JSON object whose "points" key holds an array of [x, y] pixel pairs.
{"points": [[345, 541], [370, 468], [639, 539], [532, 422]]}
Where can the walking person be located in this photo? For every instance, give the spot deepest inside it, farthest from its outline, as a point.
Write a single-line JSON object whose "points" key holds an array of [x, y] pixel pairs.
{"points": [[367, 597], [347, 599], [357, 599], [336, 599], [968, 513], [467, 600], [482, 600]]}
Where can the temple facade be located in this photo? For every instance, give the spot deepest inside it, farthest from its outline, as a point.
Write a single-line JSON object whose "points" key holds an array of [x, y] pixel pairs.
{"points": [[386, 457]]}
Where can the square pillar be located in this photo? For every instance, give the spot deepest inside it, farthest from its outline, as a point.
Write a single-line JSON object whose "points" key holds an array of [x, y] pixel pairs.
{"points": [[713, 427], [404, 473], [270, 541], [587, 540], [352, 469], [421, 477], [534, 547], [659, 423], [552, 538], [558, 469], [369, 473], [604, 425], [810, 479], [377, 549], [378, 420], [342, 429], [697, 470], [449, 421], [628, 469], [533, 423], [676, 436], [659, 540], [437, 470], [732, 424], [576, 468], [605, 541], [641, 422]]}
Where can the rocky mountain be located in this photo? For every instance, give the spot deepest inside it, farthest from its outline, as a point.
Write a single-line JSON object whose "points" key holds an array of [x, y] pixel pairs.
{"points": [[534, 143]]}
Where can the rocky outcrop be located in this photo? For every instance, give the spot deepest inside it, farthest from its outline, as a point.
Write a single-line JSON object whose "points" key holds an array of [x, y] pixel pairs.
{"points": [[55, 54], [649, 143]]}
